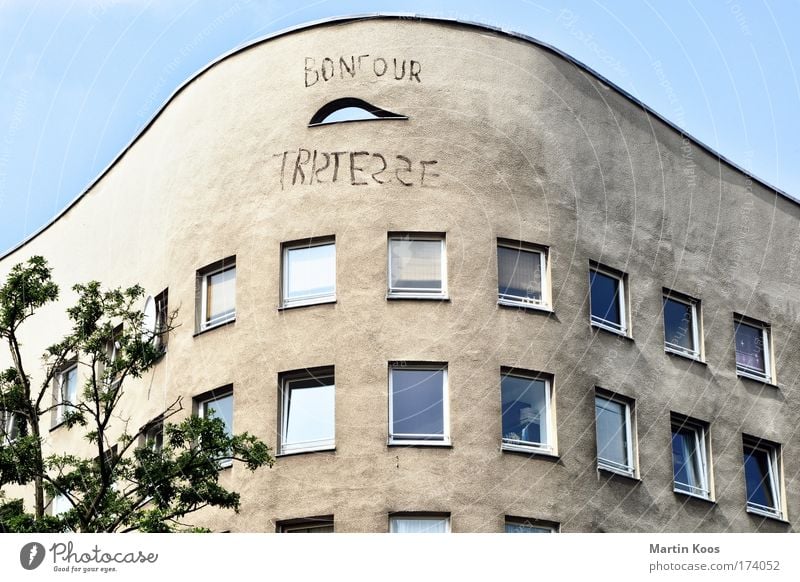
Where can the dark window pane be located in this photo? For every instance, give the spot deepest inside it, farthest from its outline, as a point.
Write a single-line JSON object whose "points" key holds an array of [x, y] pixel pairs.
{"points": [[750, 347], [524, 409], [417, 405], [757, 477], [605, 297], [678, 328], [525, 527], [519, 274]]}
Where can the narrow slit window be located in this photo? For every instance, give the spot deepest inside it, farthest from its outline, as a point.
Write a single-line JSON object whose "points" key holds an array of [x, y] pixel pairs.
{"points": [[350, 109]]}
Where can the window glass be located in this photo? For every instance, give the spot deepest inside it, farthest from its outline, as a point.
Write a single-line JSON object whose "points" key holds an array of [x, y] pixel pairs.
{"points": [[750, 348], [310, 272], [154, 436], [309, 414], [415, 265], [68, 391], [514, 526], [679, 325], [222, 409], [525, 410], [689, 458], [419, 525], [60, 504], [162, 319], [760, 472], [12, 425], [519, 274], [221, 293], [613, 448], [605, 299], [417, 403]]}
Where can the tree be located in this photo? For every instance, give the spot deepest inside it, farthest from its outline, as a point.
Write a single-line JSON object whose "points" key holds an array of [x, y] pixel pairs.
{"points": [[137, 479]]}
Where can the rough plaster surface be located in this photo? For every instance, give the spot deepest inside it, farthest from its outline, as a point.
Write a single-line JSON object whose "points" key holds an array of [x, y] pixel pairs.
{"points": [[529, 147]]}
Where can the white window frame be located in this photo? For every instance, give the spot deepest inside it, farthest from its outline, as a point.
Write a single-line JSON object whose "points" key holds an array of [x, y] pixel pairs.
{"points": [[408, 439], [628, 470], [204, 400], [768, 375], [417, 293], [285, 391], [623, 328], [419, 517], [548, 447], [697, 352], [307, 299], [61, 408], [551, 527], [205, 275], [701, 443], [775, 478], [544, 265]]}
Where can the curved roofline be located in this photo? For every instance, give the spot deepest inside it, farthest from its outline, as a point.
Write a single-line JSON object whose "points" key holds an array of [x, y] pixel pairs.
{"points": [[377, 16]]}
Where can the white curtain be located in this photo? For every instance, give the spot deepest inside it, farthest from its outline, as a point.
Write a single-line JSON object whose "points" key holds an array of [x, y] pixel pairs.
{"points": [[419, 525], [416, 264]]}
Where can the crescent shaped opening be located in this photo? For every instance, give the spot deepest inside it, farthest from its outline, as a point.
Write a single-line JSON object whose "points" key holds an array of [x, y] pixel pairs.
{"points": [[350, 109]]}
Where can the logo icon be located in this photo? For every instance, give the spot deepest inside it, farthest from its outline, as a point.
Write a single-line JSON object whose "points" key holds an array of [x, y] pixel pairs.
{"points": [[31, 555]]}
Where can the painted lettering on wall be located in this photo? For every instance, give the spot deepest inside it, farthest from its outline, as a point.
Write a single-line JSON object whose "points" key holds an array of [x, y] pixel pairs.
{"points": [[349, 67], [355, 168]]}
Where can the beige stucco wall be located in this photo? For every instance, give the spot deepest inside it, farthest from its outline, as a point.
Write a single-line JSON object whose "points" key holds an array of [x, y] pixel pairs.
{"points": [[529, 147]]}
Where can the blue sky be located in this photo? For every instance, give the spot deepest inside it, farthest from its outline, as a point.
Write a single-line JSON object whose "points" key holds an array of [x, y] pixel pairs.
{"points": [[78, 78]]}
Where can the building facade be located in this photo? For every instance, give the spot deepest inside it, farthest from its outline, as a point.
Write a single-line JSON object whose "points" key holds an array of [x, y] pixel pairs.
{"points": [[453, 278]]}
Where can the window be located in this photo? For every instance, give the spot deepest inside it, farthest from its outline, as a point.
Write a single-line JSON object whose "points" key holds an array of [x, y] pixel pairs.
{"points": [[690, 457], [59, 504], [418, 408], [162, 320], [522, 275], [11, 426], [218, 404], [350, 109], [307, 411], [113, 353], [309, 272], [527, 412], [753, 359], [762, 474], [681, 326], [522, 525], [607, 299], [153, 435], [216, 289], [307, 525], [419, 523], [417, 266], [614, 435], [66, 392]]}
